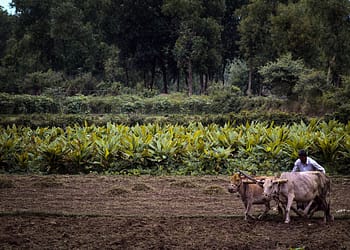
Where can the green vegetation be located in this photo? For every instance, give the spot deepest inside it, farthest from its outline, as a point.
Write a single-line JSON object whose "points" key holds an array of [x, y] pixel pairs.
{"points": [[173, 149], [184, 87], [104, 47]]}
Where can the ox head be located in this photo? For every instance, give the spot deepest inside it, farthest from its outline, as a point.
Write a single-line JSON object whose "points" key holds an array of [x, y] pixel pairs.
{"points": [[272, 187], [235, 182]]}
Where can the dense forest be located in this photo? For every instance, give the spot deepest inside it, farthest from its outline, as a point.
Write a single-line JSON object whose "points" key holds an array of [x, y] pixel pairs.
{"points": [[283, 47]]}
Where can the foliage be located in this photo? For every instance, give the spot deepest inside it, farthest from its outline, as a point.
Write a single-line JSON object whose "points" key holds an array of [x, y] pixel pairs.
{"points": [[173, 149], [26, 104], [237, 74], [292, 32], [281, 76], [37, 83], [63, 120], [165, 45]]}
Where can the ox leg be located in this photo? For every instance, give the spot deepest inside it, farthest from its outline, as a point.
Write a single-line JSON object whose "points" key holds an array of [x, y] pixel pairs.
{"points": [[281, 205], [289, 204], [316, 206], [280, 209], [247, 211], [295, 210], [267, 209], [328, 215], [307, 208], [327, 211]]}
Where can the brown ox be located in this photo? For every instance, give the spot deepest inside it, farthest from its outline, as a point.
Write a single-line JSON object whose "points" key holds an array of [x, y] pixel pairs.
{"points": [[305, 187], [250, 193]]}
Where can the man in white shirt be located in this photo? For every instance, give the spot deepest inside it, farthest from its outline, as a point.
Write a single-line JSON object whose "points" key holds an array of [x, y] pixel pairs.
{"points": [[305, 163]]}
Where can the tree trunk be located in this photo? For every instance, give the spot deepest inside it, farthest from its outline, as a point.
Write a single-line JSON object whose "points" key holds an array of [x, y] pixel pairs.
{"points": [[165, 81], [127, 76], [201, 80], [178, 81], [190, 78], [249, 89], [144, 79], [331, 64], [223, 74], [153, 75]]}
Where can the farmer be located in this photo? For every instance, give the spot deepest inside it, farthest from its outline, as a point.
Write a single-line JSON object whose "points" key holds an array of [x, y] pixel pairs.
{"points": [[305, 163]]}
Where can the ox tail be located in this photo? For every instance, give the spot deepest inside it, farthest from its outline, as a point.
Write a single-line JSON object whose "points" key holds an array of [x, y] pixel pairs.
{"points": [[328, 200]]}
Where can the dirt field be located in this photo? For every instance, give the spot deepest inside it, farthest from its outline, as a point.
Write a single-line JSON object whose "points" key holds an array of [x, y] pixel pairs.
{"points": [[102, 212]]}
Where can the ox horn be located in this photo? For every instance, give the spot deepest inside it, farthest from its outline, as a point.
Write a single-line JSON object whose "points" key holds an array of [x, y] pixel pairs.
{"points": [[280, 181]]}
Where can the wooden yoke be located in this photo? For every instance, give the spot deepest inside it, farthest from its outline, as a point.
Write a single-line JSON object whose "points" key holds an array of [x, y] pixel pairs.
{"points": [[280, 181], [259, 182]]}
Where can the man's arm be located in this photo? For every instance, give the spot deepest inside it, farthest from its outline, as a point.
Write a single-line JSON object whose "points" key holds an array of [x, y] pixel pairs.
{"points": [[317, 166], [296, 167]]}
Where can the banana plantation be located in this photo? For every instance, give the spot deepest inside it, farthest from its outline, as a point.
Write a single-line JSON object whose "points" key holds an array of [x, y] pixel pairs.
{"points": [[155, 149]]}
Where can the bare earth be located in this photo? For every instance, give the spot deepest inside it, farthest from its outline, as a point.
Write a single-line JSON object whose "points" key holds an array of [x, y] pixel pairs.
{"points": [[118, 212]]}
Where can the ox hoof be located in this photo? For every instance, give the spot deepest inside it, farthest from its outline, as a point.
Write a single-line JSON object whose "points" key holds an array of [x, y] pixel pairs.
{"points": [[329, 218], [302, 213], [286, 221]]}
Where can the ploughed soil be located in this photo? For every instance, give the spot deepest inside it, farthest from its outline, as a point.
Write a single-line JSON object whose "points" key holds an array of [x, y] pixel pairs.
{"points": [[147, 212]]}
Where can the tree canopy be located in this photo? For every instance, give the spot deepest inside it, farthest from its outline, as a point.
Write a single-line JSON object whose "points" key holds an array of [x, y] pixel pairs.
{"points": [[171, 45]]}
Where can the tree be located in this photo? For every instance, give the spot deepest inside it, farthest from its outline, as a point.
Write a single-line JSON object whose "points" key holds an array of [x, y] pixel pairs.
{"points": [[282, 75], [332, 20], [32, 43], [255, 39], [5, 30], [198, 45], [229, 34], [292, 32], [6, 25], [143, 34], [74, 46], [316, 31]]}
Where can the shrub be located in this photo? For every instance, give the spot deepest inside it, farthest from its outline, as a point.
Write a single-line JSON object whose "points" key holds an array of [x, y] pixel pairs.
{"points": [[26, 104], [281, 76], [37, 83]]}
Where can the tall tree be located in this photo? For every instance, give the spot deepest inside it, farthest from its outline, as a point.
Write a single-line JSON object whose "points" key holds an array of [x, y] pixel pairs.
{"points": [[293, 32], [255, 38], [6, 27], [198, 46], [229, 34], [74, 45], [33, 46], [332, 19], [142, 33]]}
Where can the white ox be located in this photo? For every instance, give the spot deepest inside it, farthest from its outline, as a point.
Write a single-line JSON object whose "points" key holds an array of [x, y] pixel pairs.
{"points": [[312, 188], [249, 192]]}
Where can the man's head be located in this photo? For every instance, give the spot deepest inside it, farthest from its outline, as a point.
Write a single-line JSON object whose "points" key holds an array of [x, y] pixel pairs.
{"points": [[302, 155]]}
